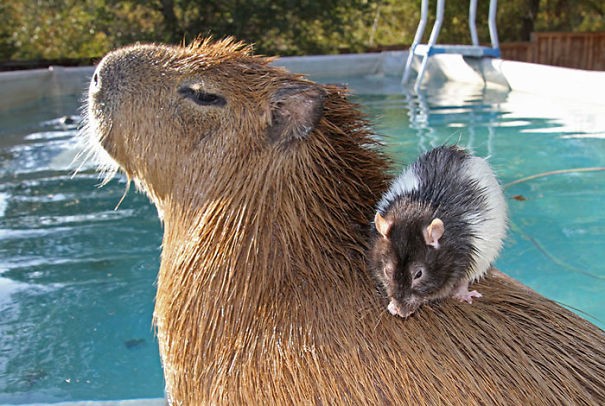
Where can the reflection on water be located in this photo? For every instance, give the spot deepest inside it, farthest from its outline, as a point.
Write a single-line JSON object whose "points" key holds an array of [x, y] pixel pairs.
{"points": [[77, 278]]}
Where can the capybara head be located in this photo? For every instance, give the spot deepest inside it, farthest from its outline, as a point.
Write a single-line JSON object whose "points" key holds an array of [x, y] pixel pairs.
{"points": [[158, 109]]}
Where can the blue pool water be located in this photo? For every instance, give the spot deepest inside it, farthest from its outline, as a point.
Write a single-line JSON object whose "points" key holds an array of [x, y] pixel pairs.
{"points": [[77, 278]]}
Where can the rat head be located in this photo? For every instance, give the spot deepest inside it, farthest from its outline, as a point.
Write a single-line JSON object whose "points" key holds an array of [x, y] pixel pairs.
{"points": [[174, 117], [410, 259]]}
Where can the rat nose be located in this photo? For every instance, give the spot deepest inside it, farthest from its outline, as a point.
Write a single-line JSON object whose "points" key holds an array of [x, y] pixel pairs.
{"points": [[401, 309]]}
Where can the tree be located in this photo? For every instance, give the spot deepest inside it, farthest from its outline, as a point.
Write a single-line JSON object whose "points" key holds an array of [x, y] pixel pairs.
{"points": [[50, 29], [7, 47], [53, 29]]}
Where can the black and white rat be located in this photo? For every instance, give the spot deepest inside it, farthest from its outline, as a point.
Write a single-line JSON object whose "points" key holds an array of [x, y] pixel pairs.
{"points": [[437, 229]]}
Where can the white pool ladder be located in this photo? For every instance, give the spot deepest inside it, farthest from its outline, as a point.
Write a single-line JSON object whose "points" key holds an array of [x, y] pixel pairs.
{"points": [[427, 50]]}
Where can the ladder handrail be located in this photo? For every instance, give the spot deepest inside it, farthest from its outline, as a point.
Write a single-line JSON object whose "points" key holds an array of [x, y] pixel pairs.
{"points": [[424, 16], [438, 23], [424, 12], [472, 14], [430, 46], [491, 23]]}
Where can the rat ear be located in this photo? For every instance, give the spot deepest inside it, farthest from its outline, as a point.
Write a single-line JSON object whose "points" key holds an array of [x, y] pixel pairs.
{"points": [[383, 226], [296, 109], [433, 232]]}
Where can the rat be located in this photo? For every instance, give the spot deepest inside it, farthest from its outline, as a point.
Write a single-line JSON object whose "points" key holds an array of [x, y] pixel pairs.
{"points": [[437, 229]]}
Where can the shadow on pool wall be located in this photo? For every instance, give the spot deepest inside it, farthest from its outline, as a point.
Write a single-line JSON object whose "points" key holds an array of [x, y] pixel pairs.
{"points": [[58, 81]]}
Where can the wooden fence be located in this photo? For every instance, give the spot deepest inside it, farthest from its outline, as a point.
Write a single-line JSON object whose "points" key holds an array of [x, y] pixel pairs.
{"points": [[579, 50]]}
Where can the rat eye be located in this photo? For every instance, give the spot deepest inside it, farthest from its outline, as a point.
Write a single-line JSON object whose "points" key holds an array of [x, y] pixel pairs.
{"points": [[202, 98], [417, 272]]}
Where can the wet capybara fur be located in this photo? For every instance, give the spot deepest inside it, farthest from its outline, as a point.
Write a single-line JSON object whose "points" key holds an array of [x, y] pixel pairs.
{"points": [[266, 183]]}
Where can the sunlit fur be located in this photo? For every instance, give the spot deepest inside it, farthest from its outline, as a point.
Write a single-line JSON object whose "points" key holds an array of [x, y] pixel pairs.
{"points": [[90, 150], [263, 295]]}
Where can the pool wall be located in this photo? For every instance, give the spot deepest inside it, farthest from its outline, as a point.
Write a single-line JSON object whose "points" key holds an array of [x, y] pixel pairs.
{"points": [[22, 87]]}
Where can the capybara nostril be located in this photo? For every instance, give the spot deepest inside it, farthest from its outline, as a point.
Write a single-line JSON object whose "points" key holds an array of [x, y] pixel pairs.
{"points": [[95, 82]]}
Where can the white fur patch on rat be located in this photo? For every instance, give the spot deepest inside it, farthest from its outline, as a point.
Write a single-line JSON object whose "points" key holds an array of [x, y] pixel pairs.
{"points": [[438, 228]]}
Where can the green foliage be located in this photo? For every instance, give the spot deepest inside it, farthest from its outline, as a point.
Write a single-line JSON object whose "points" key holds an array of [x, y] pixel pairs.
{"points": [[281, 26], [52, 29], [564, 15], [394, 22], [7, 26]]}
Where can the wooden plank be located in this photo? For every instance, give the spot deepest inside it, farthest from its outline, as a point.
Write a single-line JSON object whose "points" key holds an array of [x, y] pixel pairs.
{"points": [[579, 50]]}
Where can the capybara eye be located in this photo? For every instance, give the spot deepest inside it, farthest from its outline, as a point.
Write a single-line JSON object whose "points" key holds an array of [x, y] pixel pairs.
{"points": [[209, 99], [202, 98]]}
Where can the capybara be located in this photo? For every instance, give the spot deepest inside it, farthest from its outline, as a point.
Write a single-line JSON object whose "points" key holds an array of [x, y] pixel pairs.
{"points": [[266, 183]]}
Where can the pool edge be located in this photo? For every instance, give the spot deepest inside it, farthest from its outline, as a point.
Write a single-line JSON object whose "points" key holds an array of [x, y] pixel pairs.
{"points": [[22, 87]]}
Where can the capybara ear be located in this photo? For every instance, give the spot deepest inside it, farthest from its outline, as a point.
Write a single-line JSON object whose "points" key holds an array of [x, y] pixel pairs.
{"points": [[296, 109]]}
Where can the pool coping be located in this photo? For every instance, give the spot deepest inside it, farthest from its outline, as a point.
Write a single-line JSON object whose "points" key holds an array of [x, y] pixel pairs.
{"points": [[22, 87]]}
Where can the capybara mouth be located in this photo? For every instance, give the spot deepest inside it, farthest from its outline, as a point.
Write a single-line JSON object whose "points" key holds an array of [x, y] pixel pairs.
{"points": [[117, 92], [98, 129]]}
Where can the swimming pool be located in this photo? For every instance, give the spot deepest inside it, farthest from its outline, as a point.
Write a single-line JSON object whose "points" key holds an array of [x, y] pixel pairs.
{"points": [[77, 278]]}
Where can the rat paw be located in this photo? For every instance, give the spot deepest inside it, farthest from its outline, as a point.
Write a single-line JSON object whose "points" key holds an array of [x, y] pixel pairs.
{"points": [[467, 296]]}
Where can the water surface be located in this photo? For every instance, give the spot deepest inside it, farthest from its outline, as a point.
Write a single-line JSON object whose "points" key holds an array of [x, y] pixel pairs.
{"points": [[77, 277]]}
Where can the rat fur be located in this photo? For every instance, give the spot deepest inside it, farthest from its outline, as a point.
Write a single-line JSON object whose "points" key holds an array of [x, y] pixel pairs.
{"points": [[437, 229]]}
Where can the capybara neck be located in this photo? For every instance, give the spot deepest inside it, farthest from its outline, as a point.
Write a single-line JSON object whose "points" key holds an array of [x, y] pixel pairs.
{"points": [[294, 223], [265, 182], [259, 254]]}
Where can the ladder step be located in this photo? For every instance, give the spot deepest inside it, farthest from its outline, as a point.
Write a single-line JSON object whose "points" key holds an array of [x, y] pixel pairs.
{"points": [[465, 50]]}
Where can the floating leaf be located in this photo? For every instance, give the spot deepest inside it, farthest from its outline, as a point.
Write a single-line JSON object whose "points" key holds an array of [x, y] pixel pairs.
{"points": [[134, 343]]}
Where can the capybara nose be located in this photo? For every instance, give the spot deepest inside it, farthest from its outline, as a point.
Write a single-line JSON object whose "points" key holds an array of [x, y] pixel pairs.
{"points": [[104, 79], [105, 84], [95, 82], [111, 76]]}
